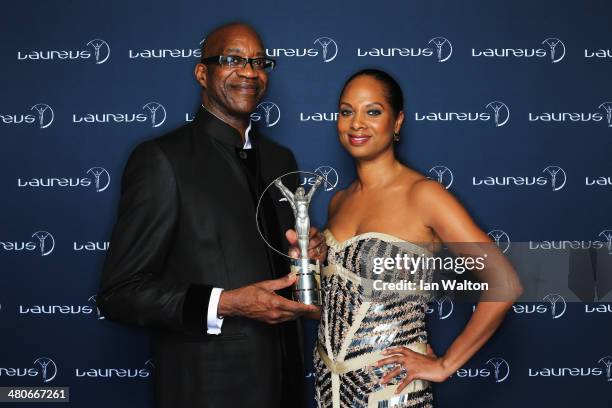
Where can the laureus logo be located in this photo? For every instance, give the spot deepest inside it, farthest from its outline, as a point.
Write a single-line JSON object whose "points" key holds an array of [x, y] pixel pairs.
{"points": [[495, 111], [502, 240], [58, 309], [607, 106], [149, 53], [557, 49], [46, 242], [42, 115], [101, 178], [442, 175], [444, 48], [575, 117], [438, 47], [501, 368], [92, 300], [607, 236], [442, 306], [607, 362], [101, 50], [268, 111], [554, 48], [495, 367], [584, 371], [329, 48], [552, 303], [501, 113], [129, 373], [154, 112], [48, 368], [158, 113], [557, 177], [330, 175], [557, 304], [45, 114]]}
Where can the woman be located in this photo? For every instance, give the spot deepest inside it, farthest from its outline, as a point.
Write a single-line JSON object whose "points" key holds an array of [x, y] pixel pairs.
{"points": [[374, 352]]}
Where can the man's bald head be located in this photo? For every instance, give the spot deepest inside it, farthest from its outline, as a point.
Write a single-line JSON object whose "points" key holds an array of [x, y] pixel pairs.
{"points": [[216, 40]]}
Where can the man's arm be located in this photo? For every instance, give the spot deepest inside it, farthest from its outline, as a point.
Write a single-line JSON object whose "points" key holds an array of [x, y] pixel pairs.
{"points": [[132, 288]]}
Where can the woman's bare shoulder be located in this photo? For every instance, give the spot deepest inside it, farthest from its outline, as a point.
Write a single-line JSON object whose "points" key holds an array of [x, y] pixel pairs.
{"points": [[429, 194], [417, 185], [335, 202]]}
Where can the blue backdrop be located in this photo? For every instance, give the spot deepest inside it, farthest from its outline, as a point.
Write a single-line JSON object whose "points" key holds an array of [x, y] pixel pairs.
{"points": [[499, 96]]}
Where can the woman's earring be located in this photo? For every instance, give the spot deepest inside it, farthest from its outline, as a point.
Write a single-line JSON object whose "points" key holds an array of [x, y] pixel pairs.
{"points": [[396, 137]]}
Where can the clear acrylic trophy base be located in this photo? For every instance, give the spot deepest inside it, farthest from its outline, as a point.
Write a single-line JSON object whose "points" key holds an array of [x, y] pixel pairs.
{"points": [[307, 288]]}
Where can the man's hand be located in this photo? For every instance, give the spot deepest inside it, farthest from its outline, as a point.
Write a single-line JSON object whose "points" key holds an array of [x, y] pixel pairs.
{"points": [[258, 301], [317, 247]]}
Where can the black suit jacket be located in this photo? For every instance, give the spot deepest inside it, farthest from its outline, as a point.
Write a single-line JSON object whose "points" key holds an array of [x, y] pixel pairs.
{"points": [[186, 224]]}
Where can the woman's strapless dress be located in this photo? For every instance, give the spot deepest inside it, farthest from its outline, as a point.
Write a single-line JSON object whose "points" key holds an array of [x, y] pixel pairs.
{"points": [[358, 323]]}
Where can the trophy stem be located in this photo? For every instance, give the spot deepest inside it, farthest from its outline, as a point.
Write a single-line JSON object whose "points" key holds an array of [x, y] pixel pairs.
{"points": [[307, 287]]}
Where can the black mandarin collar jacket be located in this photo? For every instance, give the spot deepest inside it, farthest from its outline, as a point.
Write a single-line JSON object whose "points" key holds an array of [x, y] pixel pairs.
{"points": [[186, 224]]}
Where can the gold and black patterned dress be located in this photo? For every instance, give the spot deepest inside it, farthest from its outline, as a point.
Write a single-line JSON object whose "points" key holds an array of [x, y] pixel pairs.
{"points": [[358, 323]]}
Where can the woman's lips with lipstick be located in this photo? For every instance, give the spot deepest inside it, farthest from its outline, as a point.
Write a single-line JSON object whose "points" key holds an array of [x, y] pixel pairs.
{"points": [[358, 140]]}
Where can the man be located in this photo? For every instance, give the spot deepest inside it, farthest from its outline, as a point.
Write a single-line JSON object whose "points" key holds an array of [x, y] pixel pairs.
{"points": [[186, 230]]}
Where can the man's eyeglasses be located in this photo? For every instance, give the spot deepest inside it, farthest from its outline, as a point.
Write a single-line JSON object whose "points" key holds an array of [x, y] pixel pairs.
{"points": [[234, 61]]}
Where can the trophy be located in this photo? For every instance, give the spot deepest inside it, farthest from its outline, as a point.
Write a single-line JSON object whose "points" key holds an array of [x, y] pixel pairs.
{"points": [[307, 288]]}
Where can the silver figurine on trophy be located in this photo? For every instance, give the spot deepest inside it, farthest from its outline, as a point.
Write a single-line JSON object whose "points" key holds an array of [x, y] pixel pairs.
{"points": [[307, 288]]}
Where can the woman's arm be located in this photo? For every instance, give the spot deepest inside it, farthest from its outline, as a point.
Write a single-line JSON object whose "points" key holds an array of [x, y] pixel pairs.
{"points": [[440, 211]]}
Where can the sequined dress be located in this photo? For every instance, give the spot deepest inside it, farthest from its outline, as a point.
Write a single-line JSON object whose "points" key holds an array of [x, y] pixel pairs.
{"points": [[357, 323]]}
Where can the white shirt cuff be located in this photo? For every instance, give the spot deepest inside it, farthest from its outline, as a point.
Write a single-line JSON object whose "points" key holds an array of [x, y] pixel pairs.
{"points": [[213, 322]]}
